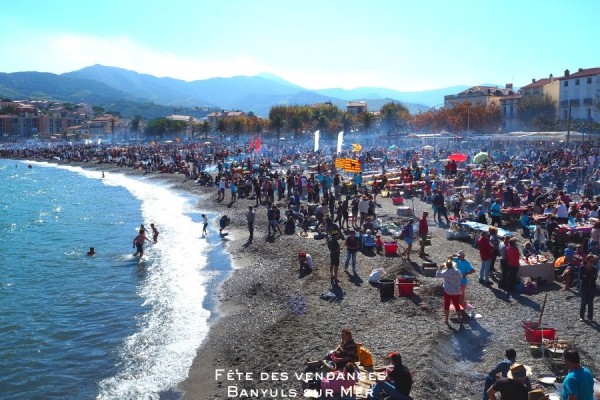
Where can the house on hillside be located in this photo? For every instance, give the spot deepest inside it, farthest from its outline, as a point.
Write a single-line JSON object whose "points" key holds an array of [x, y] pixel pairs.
{"points": [[214, 117], [356, 107]]}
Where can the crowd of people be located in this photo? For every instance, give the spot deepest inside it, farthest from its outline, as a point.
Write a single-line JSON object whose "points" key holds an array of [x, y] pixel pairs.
{"points": [[551, 186]]}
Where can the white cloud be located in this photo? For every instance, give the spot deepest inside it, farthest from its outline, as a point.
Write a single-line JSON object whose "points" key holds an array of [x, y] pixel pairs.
{"points": [[69, 52]]}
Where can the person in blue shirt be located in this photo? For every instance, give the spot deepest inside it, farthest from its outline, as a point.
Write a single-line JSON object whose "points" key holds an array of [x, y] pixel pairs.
{"points": [[368, 242], [466, 269], [525, 224], [496, 214], [501, 369], [579, 382]]}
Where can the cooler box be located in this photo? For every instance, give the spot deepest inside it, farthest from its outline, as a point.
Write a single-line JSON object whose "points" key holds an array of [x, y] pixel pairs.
{"points": [[390, 248], [534, 332], [386, 288], [397, 201], [405, 286]]}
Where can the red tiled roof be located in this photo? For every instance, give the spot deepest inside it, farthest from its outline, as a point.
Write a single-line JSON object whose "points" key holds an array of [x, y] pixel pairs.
{"points": [[581, 74], [538, 83]]}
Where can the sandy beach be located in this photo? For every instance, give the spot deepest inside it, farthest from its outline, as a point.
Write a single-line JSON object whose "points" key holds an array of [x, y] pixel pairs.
{"points": [[271, 317]]}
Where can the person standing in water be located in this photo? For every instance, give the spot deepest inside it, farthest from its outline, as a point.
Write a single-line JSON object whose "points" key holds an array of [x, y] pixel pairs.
{"points": [[138, 243], [205, 222], [154, 233]]}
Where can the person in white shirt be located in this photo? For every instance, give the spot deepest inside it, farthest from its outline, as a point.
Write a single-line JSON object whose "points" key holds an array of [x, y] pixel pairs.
{"points": [[562, 212], [363, 209], [306, 261]]}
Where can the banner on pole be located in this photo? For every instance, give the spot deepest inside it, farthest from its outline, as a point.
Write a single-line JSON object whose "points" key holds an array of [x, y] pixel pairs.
{"points": [[317, 137], [340, 141]]}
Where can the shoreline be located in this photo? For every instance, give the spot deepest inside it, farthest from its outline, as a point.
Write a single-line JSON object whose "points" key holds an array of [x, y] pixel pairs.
{"points": [[256, 332]]}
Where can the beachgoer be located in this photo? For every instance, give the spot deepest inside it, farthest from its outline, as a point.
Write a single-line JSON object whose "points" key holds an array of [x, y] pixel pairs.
{"points": [[345, 352], [515, 386], [306, 261], [588, 274], [423, 231], [496, 213], [513, 257], [501, 369], [223, 223], [486, 251], [452, 288], [154, 233], [334, 256], [466, 269], [408, 238], [138, 243], [579, 382], [205, 224], [398, 382], [352, 245], [91, 252], [250, 217]]}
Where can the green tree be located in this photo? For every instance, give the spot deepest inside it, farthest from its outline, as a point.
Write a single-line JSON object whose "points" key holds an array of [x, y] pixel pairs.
{"points": [[205, 128], [537, 111], [366, 120], [394, 117], [221, 127], [135, 125], [347, 122]]}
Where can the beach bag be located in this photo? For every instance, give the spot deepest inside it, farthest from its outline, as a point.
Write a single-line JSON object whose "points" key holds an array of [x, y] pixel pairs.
{"points": [[365, 358], [375, 275]]}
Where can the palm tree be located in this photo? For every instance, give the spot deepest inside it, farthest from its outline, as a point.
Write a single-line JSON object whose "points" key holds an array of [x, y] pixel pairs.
{"points": [[276, 123], [394, 117], [205, 128], [347, 122]]}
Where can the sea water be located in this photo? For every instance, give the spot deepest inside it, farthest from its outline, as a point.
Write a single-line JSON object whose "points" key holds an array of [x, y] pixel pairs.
{"points": [[110, 326]]}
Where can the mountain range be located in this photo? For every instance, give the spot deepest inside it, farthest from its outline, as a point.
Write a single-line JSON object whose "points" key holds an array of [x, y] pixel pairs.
{"points": [[132, 93]]}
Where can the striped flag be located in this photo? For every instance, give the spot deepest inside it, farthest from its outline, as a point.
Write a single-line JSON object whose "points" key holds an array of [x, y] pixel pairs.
{"points": [[348, 164]]}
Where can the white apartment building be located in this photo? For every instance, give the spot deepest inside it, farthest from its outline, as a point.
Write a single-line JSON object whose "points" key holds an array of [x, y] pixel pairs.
{"points": [[580, 95]]}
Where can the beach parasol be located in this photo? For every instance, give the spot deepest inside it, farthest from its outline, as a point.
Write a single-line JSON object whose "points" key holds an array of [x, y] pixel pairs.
{"points": [[458, 157], [480, 157], [427, 148]]}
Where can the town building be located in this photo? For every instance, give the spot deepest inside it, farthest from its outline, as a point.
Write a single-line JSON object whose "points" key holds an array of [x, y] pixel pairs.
{"points": [[580, 95], [356, 107]]}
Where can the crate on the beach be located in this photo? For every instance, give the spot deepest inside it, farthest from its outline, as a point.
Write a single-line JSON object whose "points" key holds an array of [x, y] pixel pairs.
{"points": [[536, 332], [390, 248], [429, 268]]}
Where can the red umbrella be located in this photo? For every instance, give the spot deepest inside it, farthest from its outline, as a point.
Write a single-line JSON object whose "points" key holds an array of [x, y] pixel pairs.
{"points": [[458, 157]]}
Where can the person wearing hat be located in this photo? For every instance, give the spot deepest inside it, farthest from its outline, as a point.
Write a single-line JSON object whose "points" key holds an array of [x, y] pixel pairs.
{"points": [[537, 394], [466, 269], [515, 386], [579, 382], [452, 288], [398, 382], [306, 261]]}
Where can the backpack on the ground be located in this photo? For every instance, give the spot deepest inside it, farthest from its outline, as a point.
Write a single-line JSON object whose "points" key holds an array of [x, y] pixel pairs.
{"points": [[364, 356]]}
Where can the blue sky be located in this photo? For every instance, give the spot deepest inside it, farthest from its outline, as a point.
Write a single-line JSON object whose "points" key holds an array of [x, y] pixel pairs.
{"points": [[398, 44]]}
